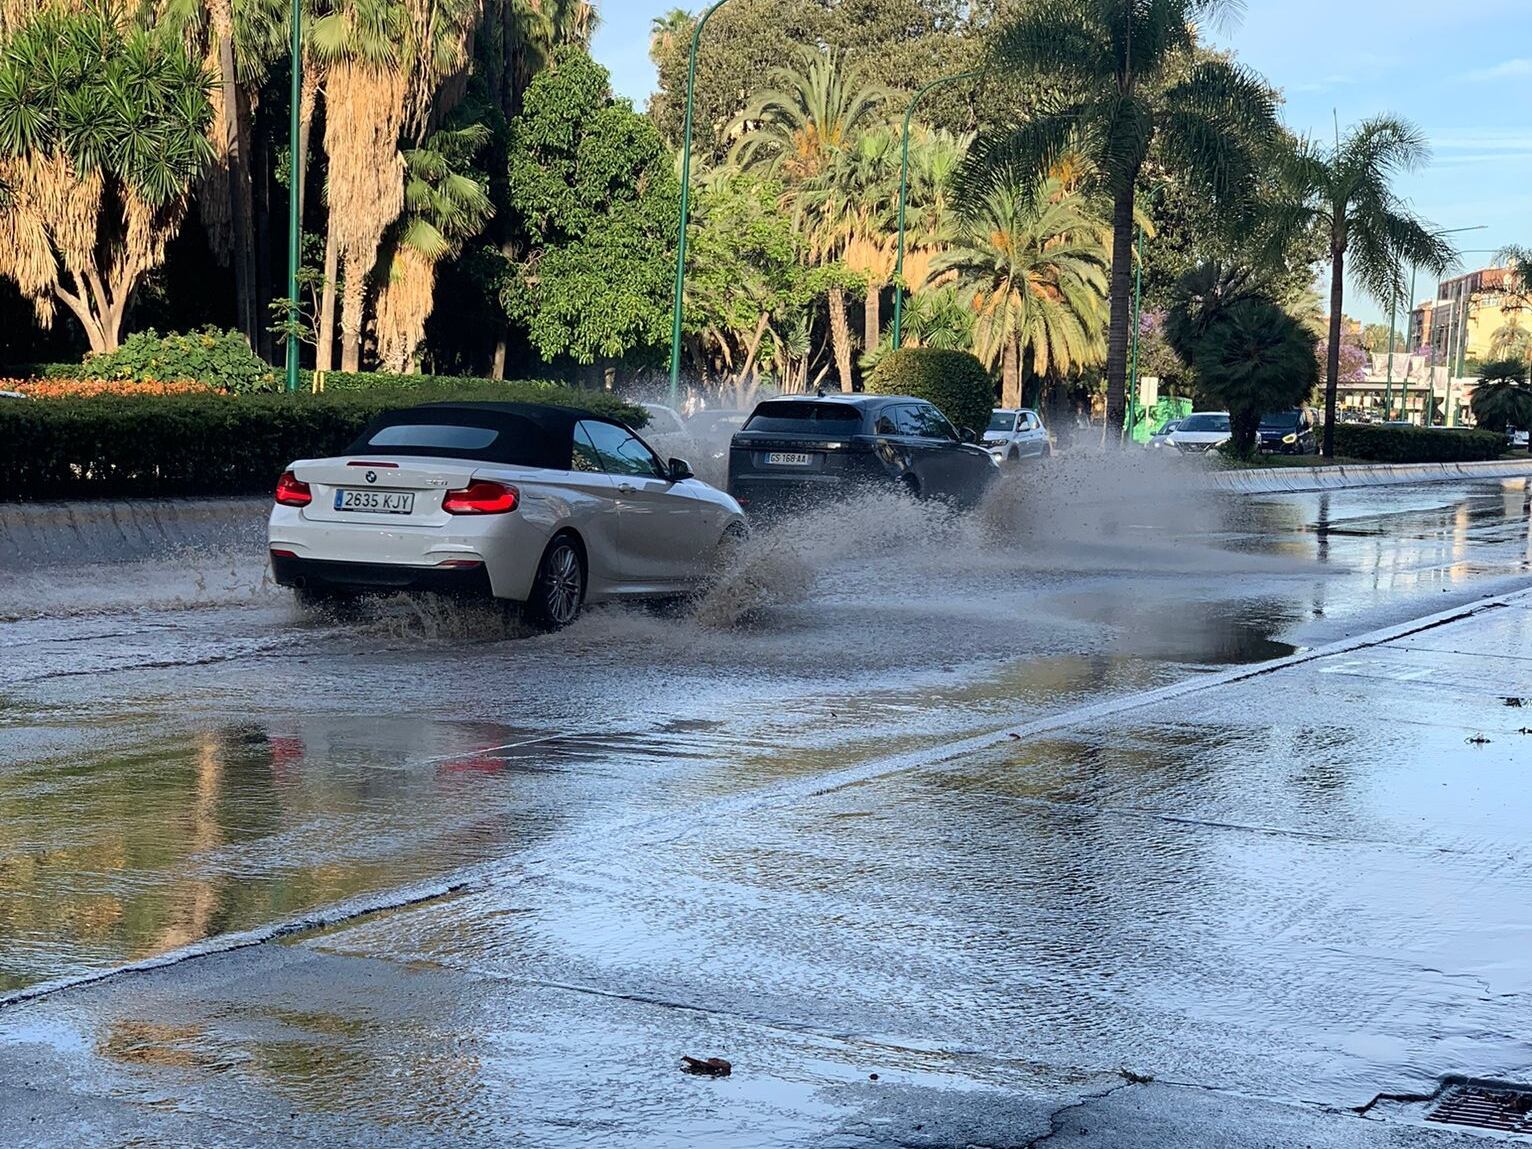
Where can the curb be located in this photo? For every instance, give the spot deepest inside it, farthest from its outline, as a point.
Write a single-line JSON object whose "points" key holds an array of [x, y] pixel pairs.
{"points": [[1283, 479]]}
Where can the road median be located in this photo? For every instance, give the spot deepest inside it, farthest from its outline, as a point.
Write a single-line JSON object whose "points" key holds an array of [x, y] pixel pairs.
{"points": [[1269, 480]]}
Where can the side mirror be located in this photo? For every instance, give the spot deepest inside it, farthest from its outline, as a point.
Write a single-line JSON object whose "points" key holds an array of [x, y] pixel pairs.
{"points": [[968, 435], [678, 469]]}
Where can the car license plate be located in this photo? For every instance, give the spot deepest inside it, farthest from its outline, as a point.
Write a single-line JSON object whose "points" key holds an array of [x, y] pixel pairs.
{"points": [[788, 459], [381, 502]]}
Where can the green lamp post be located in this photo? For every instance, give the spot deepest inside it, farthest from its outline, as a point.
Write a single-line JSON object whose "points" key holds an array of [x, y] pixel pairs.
{"points": [[904, 195], [295, 177], [686, 180]]}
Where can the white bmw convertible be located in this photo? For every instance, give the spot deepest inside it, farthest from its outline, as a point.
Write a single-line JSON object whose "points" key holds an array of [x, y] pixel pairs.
{"points": [[546, 506]]}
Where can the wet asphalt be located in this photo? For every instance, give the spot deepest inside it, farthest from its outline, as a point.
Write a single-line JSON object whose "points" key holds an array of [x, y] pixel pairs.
{"points": [[453, 884]]}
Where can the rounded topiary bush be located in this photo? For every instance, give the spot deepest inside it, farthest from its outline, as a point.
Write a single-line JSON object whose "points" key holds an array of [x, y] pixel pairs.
{"points": [[954, 381]]}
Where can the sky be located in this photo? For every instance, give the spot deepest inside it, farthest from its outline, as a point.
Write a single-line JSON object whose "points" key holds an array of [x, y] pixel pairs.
{"points": [[1460, 69]]}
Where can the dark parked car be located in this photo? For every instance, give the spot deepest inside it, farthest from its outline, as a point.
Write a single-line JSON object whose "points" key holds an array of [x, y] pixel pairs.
{"points": [[804, 450], [1288, 432]]}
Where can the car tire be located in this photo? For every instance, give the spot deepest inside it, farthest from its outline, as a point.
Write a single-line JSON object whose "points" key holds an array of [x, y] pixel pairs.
{"points": [[910, 485], [1014, 458], [558, 591]]}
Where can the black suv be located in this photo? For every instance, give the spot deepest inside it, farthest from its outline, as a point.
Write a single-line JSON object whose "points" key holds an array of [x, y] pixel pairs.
{"points": [[803, 450], [1288, 432]]}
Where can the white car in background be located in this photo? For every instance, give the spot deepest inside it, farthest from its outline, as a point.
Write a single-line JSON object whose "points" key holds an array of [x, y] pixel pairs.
{"points": [[668, 433], [1016, 433], [1199, 432], [1161, 438], [544, 506]]}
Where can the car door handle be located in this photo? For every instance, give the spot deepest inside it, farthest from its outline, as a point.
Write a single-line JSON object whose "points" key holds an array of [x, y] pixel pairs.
{"points": [[627, 488]]}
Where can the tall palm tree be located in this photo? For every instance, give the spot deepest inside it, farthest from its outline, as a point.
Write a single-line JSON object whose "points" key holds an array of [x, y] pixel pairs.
{"points": [[668, 32], [1346, 192], [1116, 84], [811, 113], [1034, 261], [446, 203], [239, 44]]}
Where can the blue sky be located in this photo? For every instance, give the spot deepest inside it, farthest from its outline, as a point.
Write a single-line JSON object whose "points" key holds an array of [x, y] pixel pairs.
{"points": [[1461, 69]]}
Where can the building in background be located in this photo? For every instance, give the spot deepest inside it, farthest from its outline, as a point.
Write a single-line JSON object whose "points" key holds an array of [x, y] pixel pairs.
{"points": [[1470, 310]]}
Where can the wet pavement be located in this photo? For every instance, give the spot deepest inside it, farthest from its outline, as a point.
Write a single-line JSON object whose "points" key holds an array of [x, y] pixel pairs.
{"points": [[458, 885]]}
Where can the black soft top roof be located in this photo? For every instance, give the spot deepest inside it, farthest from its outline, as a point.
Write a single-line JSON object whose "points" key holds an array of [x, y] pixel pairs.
{"points": [[529, 434]]}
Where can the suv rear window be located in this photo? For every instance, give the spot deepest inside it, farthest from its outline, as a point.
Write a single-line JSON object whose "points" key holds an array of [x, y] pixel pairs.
{"points": [[804, 417]]}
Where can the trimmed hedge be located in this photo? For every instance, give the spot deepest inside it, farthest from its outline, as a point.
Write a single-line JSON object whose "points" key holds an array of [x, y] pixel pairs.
{"points": [[1416, 444], [954, 381], [119, 446]]}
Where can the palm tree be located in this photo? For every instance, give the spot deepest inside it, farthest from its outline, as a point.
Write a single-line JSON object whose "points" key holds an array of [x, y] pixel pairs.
{"points": [[239, 46], [796, 130], [1519, 260], [1501, 398], [446, 203], [669, 32], [1035, 265], [1117, 83], [1345, 192]]}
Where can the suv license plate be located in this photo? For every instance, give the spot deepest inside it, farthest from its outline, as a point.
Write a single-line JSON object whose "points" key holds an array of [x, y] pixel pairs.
{"points": [[786, 459], [380, 502]]}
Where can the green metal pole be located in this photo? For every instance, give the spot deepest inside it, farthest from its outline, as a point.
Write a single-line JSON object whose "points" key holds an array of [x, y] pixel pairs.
{"points": [[686, 181], [1388, 385], [295, 175], [904, 195], [1404, 384], [1449, 414], [1138, 302]]}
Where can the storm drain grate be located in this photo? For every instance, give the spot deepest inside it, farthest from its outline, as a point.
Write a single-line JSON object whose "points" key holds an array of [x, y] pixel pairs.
{"points": [[1504, 1110]]}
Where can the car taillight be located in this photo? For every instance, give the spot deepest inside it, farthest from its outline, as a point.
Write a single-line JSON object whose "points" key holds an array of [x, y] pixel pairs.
{"points": [[481, 497], [292, 491]]}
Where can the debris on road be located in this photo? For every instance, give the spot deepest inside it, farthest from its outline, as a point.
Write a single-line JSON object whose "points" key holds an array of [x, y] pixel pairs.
{"points": [[706, 1066], [1516, 702], [1477, 740]]}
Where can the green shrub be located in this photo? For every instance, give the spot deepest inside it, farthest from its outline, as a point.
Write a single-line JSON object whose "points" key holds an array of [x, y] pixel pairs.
{"points": [[220, 359], [954, 381], [1416, 444], [116, 446]]}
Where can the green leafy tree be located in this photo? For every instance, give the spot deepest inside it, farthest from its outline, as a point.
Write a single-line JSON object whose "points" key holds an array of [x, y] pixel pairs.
{"points": [[1501, 398], [1105, 71], [593, 198], [1346, 191], [1034, 265], [103, 131], [1250, 356], [750, 286]]}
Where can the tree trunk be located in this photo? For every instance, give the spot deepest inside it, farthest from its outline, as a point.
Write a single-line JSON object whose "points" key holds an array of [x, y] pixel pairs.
{"points": [[241, 208], [324, 349], [353, 300], [260, 162], [1332, 365], [1121, 315], [1010, 374], [872, 334], [840, 335], [1244, 426]]}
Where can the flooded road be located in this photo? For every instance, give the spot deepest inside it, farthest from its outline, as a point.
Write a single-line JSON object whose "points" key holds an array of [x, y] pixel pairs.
{"points": [[783, 824]]}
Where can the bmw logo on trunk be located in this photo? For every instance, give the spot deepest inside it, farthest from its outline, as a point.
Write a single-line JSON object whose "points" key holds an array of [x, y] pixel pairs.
{"points": [[372, 476]]}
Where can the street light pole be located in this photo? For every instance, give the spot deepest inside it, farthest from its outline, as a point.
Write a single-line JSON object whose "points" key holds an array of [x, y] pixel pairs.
{"points": [[904, 195], [686, 180], [294, 182], [1404, 384]]}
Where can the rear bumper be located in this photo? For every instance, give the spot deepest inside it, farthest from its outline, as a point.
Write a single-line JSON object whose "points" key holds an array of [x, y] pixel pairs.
{"points": [[326, 574], [761, 495]]}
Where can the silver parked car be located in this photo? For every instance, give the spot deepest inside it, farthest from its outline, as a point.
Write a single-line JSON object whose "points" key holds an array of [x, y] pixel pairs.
{"points": [[1200, 432], [1015, 434]]}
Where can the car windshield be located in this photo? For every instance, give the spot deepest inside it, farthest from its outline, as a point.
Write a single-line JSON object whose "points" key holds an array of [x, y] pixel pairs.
{"points": [[1002, 421], [1168, 428], [1280, 421], [1204, 423], [799, 417]]}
